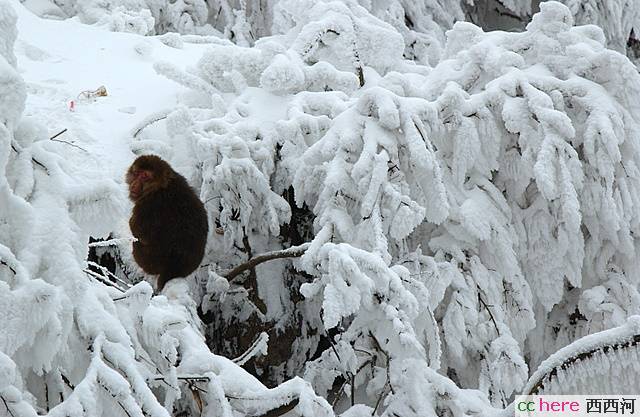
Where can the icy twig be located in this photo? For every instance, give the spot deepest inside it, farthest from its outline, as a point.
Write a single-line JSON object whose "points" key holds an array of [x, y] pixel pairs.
{"points": [[108, 274], [58, 134], [53, 139], [103, 279]]}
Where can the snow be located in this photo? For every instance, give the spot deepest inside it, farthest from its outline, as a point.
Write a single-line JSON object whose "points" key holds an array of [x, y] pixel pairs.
{"points": [[80, 58], [83, 173], [463, 194]]}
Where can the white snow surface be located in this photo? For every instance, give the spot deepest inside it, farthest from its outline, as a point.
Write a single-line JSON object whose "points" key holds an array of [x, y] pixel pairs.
{"points": [[61, 59]]}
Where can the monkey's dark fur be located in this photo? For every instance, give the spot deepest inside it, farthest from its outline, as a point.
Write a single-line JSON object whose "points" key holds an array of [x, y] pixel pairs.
{"points": [[168, 219]]}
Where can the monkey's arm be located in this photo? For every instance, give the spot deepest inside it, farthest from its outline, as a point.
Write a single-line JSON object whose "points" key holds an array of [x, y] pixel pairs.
{"points": [[148, 225], [138, 225], [148, 221]]}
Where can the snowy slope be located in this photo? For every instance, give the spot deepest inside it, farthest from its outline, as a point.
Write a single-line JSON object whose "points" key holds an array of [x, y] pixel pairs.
{"points": [[61, 59]]}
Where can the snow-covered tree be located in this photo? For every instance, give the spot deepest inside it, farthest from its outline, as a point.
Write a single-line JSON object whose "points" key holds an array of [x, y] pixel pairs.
{"points": [[71, 345], [469, 218], [414, 212], [422, 24]]}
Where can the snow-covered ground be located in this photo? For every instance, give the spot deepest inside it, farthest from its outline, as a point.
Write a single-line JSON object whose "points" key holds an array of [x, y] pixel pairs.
{"points": [[61, 59]]}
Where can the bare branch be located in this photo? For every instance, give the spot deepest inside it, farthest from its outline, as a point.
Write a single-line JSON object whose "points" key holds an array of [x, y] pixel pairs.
{"points": [[67, 382], [188, 378], [9, 267], [486, 306], [7, 406], [17, 149], [58, 134], [197, 398], [282, 410], [70, 144], [292, 252]]}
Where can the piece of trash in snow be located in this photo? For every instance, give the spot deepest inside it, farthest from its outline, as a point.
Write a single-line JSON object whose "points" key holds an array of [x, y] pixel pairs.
{"points": [[88, 94], [128, 110], [72, 105], [220, 230]]}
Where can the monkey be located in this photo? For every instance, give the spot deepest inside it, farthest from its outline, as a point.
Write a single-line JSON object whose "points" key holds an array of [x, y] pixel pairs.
{"points": [[168, 220]]}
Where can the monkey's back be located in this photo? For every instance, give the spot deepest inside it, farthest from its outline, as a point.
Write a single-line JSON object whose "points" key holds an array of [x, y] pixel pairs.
{"points": [[171, 224]]}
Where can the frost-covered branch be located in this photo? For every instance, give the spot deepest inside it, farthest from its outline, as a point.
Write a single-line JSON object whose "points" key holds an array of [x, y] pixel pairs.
{"points": [[258, 347], [105, 280], [109, 275], [580, 363], [292, 252], [188, 80], [112, 242], [149, 120]]}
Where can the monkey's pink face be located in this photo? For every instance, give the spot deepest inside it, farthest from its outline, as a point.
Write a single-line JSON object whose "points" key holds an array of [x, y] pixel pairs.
{"points": [[137, 180]]}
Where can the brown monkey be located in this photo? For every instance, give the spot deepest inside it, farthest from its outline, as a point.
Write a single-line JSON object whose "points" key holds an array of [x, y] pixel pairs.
{"points": [[168, 219]]}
